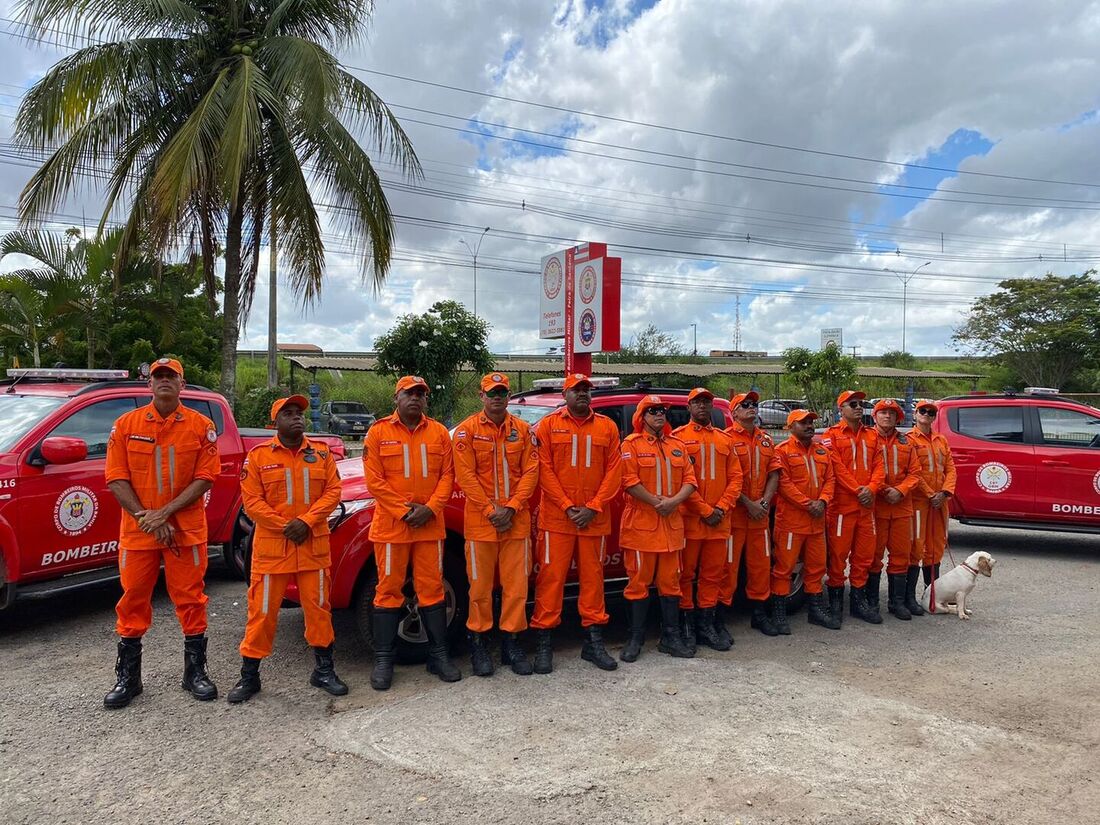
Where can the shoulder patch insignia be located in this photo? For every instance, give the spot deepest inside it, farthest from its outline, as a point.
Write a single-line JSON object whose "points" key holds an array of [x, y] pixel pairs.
{"points": [[628, 455], [514, 435], [820, 451], [460, 433], [460, 446], [678, 453], [828, 442], [211, 436]]}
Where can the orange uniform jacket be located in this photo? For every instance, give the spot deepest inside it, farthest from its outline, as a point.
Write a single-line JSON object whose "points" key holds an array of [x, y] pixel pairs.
{"points": [[281, 485], [805, 475], [718, 479], [496, 466], [403, 467], [901, 461], [663, 468], [937, 468], [755, 452], [857, 462], [579, 466], [160, 457]]}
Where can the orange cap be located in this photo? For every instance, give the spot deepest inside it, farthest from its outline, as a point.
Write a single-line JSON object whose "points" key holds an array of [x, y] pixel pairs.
{"points": [[407, 382], [925, 402], [300, 400], [494, 379], [848, 395], [643, 405], [800, 415], [751, 395], [699, 392], [889, 404], [575, 378], [167, 363]]}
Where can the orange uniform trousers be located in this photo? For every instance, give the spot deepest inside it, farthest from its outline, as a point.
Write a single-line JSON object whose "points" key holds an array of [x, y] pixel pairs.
{"points": [[788, 547], [265, 596], [648, 567], [556, 554], [706, 561], [895, 533], [392, 560], [511, 560], [851, 542], [756, 547], [929, 533], [184, 571]]}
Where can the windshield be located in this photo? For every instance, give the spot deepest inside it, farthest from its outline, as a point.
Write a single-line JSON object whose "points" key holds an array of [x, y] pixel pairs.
{"points": [[349, 407], [526, 412], [19, 413]]}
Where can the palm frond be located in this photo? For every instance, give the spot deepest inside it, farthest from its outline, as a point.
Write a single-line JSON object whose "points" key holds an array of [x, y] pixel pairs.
{"points": [[334, 22], [49, 248], [362, 107], [109, 18]]}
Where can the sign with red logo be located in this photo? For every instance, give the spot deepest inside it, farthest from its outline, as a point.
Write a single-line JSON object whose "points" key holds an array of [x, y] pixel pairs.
{"points": [[581, 295]]}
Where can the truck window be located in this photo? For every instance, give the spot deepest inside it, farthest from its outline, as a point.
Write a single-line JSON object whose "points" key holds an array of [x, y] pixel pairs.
{"points": [[19, 413], [204, 407], [1068, 428], [992, 423], [94, 423]]}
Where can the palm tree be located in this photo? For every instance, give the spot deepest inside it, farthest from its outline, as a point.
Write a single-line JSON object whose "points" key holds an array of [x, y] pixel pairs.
{"points": [[211, 120], [73, 284], [22, 317]]}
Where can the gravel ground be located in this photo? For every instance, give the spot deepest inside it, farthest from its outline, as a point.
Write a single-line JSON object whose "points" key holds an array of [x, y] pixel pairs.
{"points": [[936, 720]]}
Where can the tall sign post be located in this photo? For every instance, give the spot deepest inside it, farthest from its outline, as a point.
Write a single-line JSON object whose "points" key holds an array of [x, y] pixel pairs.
{"points": [[580, 302]]}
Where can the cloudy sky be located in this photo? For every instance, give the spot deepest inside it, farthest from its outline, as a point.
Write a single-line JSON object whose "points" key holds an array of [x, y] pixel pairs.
{"points": [[783, 154]]}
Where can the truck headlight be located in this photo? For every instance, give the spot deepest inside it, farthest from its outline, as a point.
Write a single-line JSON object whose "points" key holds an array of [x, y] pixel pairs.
{"points": [[346, 509]]}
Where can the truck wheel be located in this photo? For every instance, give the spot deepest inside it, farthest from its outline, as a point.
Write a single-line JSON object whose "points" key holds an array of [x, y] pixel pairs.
{"points": [[412, 641], [798, 590], [236, 553]]}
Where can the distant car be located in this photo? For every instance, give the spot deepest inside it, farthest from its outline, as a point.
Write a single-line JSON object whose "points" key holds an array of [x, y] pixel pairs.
{"points": [[346, 418], [773, 413]]}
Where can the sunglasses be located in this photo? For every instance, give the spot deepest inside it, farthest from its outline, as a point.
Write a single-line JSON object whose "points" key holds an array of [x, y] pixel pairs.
{"points": [[497, 392], [929, 412], [748, 405], [855, 405], [655, 411]]}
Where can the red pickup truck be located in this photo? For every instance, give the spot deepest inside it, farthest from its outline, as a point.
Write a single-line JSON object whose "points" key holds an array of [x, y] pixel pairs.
{"points": [[1029, 461], [354, 574], [58, 521]]}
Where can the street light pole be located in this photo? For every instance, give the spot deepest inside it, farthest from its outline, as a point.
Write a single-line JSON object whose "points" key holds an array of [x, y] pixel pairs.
{"points": [[474, 252], [694, 340], [905, 279]]}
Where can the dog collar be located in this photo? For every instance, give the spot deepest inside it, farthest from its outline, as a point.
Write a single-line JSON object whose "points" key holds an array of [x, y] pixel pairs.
{"points": [[968, 567]]}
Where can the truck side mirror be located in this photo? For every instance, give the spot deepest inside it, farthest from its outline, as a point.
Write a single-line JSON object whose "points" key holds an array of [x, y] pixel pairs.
{"points": [[60, 449]]}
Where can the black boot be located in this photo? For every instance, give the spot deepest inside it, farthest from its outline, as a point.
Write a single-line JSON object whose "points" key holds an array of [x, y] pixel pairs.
{"points": [[127, 673], [926, 574], [817, 612], [435, 623], [481, 660], [249, 684], [874, 584], [672, 642], [384, 622], [706, 632], [836, 603], [859, 608], [544, 652], [639, 612], [761, 620], [896, 597], [593, 650], [195, 680], [779, 615], [512, 653], [720, 628], [324, 674], [911, 603], [688, 629]]}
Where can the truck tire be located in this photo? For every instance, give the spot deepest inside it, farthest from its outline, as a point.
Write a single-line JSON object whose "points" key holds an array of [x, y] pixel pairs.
{"points": [[412, 641], [235, 554]]}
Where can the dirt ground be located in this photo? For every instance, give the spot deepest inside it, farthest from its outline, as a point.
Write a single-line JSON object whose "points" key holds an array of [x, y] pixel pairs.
{"points": [[996, 720]]}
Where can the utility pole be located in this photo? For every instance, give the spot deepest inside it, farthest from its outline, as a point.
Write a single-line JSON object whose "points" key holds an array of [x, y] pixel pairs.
{"points": [[694, 340], [272, 313], [737, 325], [474, 252], [905, 279]]}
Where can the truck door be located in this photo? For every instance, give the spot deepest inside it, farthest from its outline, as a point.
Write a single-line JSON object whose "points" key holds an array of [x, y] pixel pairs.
{"points": [[70, 520], [995, 466], [1067, 452]]}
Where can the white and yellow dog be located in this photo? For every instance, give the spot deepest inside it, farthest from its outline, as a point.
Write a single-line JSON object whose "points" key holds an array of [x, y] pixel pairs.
{"points": [[954, 586]]}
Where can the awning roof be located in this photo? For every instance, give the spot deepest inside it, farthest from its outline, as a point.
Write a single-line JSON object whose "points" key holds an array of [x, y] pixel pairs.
{"points": [[707, 370]]}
